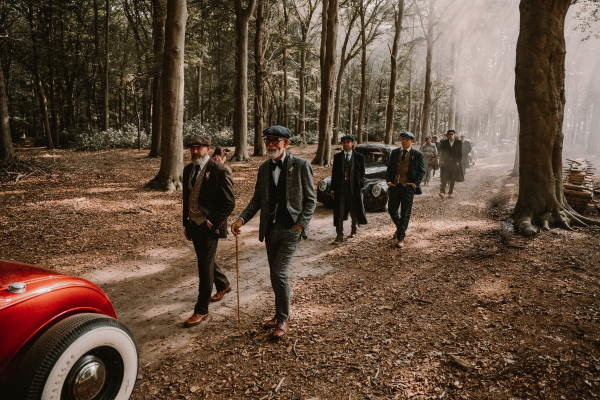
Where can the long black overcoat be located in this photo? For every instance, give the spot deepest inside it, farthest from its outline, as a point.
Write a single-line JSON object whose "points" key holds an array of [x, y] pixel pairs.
{"points": [[357, 182]]}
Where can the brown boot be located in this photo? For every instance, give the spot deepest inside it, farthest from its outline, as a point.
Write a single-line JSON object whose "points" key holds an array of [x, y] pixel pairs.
{"points": [[220, 294], [269, 323], [280, 330], [195, 319]]}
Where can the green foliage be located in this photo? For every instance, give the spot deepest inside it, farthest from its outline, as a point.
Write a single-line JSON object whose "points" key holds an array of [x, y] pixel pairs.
{"points": [[222, 136], [108, 139]]}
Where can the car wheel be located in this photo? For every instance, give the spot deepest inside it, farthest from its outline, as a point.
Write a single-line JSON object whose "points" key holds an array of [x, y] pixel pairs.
{"points": [[83, 357]]}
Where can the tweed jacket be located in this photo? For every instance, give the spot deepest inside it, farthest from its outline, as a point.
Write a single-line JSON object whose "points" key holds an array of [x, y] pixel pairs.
{"points": [[300, 194], [216, 196]]}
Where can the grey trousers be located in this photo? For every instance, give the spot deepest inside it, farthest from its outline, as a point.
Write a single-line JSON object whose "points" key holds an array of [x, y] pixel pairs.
{"points": [[281, 244]]}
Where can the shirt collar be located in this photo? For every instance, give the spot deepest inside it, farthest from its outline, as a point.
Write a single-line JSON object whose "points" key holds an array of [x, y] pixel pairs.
{"points": [[409, 149]]}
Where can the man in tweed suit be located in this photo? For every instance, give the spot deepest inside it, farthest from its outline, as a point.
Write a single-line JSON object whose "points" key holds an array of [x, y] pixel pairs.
{"points": [[285, 195], [208, 200]]}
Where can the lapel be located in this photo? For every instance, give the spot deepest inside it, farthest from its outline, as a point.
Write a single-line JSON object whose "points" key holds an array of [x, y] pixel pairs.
{"points": [[290, 166]]}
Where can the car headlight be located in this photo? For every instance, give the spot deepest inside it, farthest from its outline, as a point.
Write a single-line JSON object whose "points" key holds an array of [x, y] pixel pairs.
{"points": [[322, 186], [376, 190]]}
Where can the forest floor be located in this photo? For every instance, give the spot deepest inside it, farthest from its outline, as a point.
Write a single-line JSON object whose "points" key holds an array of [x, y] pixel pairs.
{"points": [[465, 311]]}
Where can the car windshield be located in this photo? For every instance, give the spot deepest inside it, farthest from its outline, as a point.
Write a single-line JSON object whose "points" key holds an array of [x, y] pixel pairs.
{"points": [[374, 157]]}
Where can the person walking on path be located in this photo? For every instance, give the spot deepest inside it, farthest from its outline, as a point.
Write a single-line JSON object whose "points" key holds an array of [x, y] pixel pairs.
{"points": [[347, 180], [404, 174], [285, 196], [450, 163], [208, 200], [431, 159]]}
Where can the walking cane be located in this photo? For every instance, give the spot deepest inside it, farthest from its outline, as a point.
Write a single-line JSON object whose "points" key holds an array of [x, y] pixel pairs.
{"points": [[237, 276]]}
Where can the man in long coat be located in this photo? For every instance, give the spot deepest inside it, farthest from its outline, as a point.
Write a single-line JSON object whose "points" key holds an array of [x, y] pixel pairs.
{"points": [[347, 180], [450, 163]]}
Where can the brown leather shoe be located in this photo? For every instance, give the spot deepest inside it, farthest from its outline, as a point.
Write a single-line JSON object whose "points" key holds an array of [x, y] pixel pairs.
{"points": [[220, 294], [280, 330], [195, 319], [269, 323]]}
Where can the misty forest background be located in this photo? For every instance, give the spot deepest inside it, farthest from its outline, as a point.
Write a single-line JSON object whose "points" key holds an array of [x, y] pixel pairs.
{"points": [[100, 74]]}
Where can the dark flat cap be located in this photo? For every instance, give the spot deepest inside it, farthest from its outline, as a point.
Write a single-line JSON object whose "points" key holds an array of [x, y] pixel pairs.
{"points": [[407, 134], [278, 131], [199, 140], [449, 131], [351, 138]]}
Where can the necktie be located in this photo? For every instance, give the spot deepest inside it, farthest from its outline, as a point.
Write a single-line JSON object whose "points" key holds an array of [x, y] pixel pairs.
{"points": [[348, 157], [403, 154], [196, 170], [275, 164]]}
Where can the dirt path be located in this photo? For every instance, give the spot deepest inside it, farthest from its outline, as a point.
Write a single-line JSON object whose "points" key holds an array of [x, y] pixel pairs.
{"points": [[155, 291]]}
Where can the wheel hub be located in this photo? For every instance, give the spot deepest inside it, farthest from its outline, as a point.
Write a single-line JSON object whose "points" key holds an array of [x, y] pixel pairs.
{"points": [[89, 379]]}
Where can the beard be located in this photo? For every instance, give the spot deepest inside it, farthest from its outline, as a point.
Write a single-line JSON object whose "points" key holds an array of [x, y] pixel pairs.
{"points": [[274, 153]]}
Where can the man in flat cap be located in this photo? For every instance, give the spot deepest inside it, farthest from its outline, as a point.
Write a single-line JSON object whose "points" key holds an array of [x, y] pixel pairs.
{"points": [[208, 200], [285, 195], [405, 171], [450, 163], [347, 180]]}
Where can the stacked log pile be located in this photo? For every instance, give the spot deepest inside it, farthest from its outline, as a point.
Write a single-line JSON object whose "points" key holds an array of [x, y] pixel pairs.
{"points": [[578, 184]]}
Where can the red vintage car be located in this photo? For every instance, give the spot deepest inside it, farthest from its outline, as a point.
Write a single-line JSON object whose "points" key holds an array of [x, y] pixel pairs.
{"points": [[60, 339]]}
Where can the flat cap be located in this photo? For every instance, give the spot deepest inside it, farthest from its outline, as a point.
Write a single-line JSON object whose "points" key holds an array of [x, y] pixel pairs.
{"points": [[449, 131], [278, 131], [407, 134], [198, 140], [351, 138]]}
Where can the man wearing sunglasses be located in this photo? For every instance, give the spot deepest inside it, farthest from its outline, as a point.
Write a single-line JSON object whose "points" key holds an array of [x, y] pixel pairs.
{"points": [[285, 195]]}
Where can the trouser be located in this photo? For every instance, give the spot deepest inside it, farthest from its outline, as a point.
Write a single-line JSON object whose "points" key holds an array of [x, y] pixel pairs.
{"points": [[281, 243], [209, 272], [400, 197], [345, 207], [445, 181]]}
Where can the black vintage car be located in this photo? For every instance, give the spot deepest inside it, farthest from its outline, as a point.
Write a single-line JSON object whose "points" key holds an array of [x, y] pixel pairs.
{"points": [[375, 190]]}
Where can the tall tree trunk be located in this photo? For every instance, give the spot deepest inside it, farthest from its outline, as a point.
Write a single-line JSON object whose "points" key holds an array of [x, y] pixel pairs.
{"points": [[240, 107], [158, 45], [427, 98], [409, 124], [259, 82], [540, 96], [39, 86], [198, 92], [7, 153], [363, 74], [105, 91], [452, 101], [302, 86], [284, 62], [391, 104], [171, 163], [328, 62]]}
